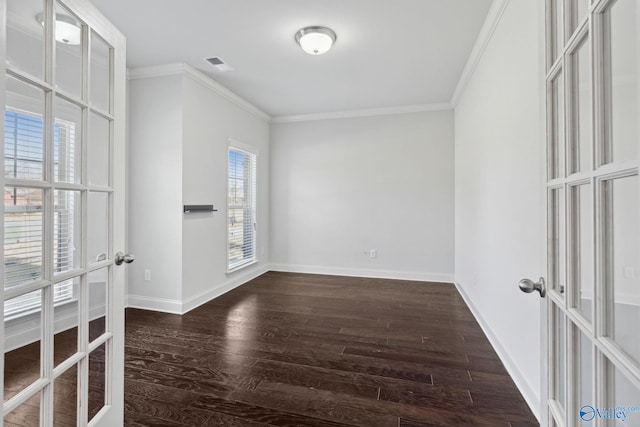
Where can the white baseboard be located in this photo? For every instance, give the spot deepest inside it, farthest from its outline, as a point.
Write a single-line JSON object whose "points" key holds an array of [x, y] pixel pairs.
{"points": [[530, 395], [154, 304], [181, 307], [233, 281], [357, 272]]}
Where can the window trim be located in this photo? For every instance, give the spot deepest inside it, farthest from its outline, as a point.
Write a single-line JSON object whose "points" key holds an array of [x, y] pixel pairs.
{"points": [[233, 144]]}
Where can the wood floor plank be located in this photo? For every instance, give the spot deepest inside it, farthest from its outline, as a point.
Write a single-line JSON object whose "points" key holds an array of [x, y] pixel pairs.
{"points": [[173, 412], [260, 414], [217, 420], [203, 386], [317, 404], [355, 363], [410, 423]]}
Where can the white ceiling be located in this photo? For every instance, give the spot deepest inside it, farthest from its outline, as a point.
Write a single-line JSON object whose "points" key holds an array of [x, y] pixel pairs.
{"points": [[389, 53]]}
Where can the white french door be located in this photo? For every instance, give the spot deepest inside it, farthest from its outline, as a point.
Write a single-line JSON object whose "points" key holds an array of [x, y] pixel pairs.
{"points": [[593, 216], [63, 94]]}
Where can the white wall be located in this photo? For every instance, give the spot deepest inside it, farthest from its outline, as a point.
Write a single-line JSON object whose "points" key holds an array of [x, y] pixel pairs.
{"points": [[180, 124], [499, 216], [209, 121], [342, 187], [155, 187]]}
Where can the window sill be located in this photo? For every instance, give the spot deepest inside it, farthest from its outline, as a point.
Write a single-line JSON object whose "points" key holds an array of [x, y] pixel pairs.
{"points": [[242, 266]]}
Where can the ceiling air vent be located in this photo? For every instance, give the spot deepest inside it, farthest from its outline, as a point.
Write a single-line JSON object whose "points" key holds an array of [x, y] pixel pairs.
{"points": [[219, 64]]}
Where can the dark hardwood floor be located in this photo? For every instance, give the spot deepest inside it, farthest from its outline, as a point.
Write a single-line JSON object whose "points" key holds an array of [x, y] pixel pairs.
{"points": [[296, 350], [305, 350]]}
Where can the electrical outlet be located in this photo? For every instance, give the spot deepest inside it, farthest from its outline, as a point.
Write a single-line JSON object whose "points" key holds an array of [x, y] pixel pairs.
{"points": [[147, 275], [373, 253]]}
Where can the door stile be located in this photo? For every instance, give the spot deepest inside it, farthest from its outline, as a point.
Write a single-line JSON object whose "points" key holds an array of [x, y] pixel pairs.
{"points": [[47, 315], [3, 67]]}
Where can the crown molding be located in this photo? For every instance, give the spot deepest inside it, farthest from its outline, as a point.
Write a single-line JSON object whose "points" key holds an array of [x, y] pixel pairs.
{"points": [[155, 71], [486, 32], [406, 109], [199, 77]]}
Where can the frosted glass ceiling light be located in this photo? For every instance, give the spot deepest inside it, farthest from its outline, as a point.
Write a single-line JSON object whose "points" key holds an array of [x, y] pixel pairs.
{"points": [[315, 40], [68, 31]]}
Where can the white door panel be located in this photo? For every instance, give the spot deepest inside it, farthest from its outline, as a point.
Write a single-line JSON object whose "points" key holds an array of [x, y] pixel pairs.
{"points": [[593, 216], [63, 215]]}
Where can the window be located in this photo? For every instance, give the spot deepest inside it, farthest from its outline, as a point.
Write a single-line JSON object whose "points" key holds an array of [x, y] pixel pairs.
{"points": [[23, 219], [241, 208]]}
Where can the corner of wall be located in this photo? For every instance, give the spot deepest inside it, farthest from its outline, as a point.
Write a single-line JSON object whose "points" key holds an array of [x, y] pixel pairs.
{"points": [[490, 146], [233, 281]]}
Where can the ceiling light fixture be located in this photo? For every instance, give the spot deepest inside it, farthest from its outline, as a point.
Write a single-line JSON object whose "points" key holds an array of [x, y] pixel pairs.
{"points": [[315, 40], [68, 30]]}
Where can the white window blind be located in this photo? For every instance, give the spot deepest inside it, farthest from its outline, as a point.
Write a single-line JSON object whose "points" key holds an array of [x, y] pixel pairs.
{"points": [[22, 235], [241, 208], [23, 219], [23, 145]]}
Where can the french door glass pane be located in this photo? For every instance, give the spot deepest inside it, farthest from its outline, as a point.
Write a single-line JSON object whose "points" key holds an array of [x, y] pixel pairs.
{"points": [[25, 36], [556, 143], [65, 397], [624, 394], [97, 302], [580, 158], [584, 368], [68, 64], [98, 230], [578, 13], [559, 356], [582, 9], [98, 150], [100, 72], [22, 345], [581, 249], [558, 27], [624, 80], [25, 415], [67, 229], [65, 342], [556, 244], [97, 380], [67, 135], [23, 240], [623, 268], [23, 131]]}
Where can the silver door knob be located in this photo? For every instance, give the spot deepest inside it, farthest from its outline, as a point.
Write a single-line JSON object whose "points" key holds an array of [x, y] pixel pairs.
{"points": [[120, 258], [528, 286]]}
